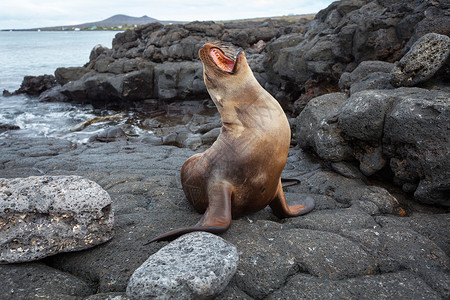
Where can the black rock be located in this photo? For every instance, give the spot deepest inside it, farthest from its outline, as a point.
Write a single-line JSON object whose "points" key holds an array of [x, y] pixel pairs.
{"points": [[422, 61], [109, 135], [35, 85], [6, 127]]}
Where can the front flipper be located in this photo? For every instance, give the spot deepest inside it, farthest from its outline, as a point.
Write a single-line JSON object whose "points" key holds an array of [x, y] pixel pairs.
{"points": [[216, 219], [282, 210]]}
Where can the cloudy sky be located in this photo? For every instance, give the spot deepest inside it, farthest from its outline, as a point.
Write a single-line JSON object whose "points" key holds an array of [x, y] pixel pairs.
{"points": [[20, 14]]}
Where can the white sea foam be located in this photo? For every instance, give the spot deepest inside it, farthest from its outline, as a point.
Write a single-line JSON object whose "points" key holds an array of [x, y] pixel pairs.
{"points": [[39, 53]]}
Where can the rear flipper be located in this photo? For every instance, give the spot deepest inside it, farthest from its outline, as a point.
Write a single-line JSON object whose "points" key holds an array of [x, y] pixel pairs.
{"points": [[282, 210], [216, 219]]}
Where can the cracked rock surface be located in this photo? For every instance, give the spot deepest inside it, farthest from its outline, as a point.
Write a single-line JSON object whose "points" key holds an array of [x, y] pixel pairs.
{"points": [[355, 238]]}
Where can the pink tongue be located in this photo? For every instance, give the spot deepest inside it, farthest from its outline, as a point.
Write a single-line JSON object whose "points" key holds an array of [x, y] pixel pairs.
{"points": [[221, 60]]}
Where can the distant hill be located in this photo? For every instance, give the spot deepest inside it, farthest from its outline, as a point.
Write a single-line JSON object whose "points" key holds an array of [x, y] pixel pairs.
{"points": [[122, 22], [114, 22], [119, 20]]}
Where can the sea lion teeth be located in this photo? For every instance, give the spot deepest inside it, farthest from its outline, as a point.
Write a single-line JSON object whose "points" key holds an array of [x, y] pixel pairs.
{"points": [[241, 172], [221, 60]]}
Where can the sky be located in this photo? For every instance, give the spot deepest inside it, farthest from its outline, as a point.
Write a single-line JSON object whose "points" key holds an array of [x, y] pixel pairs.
{"points": [[22, 14]]}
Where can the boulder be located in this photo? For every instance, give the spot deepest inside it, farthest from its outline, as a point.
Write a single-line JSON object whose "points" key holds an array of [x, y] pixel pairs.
{"points": [[198, 265], [179, 80], [64, 75], [108, 135], [317, 128], [45, 215], [402, 128], [97, 51], [339, 38], [423, 60], [35, 85], [53, 95], [101, 88], [362, 115], [136, 85], [417, 140], [369, 75]]}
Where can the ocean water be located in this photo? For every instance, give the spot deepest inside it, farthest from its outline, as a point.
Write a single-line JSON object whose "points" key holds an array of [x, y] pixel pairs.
{"points": [[35, 53]]}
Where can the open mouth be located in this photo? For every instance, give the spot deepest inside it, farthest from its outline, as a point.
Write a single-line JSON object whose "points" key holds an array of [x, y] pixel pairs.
{"points": [[224, 62]]}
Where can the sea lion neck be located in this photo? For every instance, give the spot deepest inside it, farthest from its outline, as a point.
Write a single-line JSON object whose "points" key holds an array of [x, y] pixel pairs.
{"points": [[232, 102]]}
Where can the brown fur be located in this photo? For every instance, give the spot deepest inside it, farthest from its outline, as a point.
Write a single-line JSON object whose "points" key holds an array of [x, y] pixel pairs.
{"points": [[240, 173]]}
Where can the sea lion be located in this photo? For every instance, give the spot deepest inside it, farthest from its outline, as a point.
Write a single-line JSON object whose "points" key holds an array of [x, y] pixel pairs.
{"points": [[240, 173]]}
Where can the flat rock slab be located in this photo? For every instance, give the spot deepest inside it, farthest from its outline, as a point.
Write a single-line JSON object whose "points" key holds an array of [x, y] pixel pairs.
{"points": [[45, 215], [402, 285], [195, 266]]}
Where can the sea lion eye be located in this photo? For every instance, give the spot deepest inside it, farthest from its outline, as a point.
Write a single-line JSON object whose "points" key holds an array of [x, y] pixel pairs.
{"points": [[207, 77]]}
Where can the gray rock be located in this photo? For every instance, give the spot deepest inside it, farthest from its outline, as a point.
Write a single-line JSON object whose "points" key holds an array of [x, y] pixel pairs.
{"points": [[145, 189], [179, 80], [362, 115], [42, 282], [108, 296], [401, 285], [35, 85], [433, 227], [349, 191], [53, 95], [317, 127], [109, 135], [195, 266], [370, 158], [417, 136], [101, 88], [347, 170], [6, 127], [424, 59], [211, 136], [373, 81], [45, 215], [97, 51], [326, 255], [423, 257], [152, 140], [339, 38], [137, 85], [64, 75], [364, 72], [332, 220], [233, 292], [260, 271], [187, 139], [404, 128]]}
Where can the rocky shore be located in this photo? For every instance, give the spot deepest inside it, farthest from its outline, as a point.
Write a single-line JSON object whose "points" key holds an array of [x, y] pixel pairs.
{"points": [[362, 239], [366, 88]]}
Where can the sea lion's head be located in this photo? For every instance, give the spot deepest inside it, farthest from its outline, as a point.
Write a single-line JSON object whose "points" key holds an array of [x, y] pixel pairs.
{"points": [[225, 76]]}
